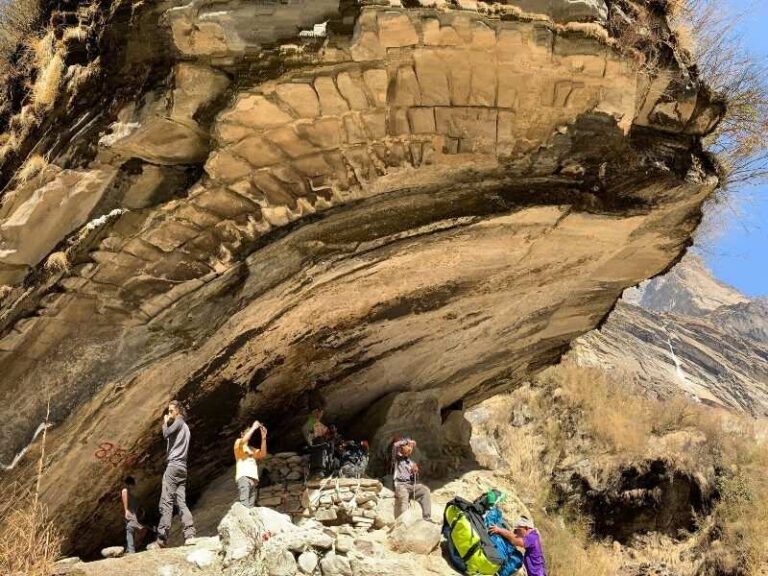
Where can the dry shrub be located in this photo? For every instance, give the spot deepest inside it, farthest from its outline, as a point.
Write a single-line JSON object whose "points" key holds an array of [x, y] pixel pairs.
{"points": [[17, 21], [737, 76], [630, 425], [742, 512], [57, 262], [570, 550], [31, 168], [30, 543], [523, 452], [614, 414], [46, 88]]}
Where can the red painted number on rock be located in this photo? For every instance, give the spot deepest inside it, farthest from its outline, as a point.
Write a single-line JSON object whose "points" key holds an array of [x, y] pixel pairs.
{"points": [[114, 455]]}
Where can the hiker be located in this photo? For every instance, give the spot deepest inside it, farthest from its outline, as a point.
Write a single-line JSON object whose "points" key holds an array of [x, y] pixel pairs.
{"points": [[524, 535], [246, 470], [405, 473], [174, 490], [314, 429], [133, 527]]}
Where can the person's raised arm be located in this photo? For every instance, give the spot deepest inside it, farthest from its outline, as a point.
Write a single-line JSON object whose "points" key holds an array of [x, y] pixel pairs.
{"points": [[172, 428], [262, 451], [124, 498], [250, 431]]}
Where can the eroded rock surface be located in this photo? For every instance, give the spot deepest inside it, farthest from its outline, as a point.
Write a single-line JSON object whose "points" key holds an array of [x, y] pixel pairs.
{"points": [[415, 199]]}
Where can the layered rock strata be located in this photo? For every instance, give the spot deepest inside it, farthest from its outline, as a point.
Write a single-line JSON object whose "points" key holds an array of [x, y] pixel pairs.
{"points": [[687, 333], [406, 199]]}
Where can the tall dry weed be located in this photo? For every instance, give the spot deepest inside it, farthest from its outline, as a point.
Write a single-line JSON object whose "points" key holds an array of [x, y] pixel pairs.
{"points": [[570, 550], [30, 542]]}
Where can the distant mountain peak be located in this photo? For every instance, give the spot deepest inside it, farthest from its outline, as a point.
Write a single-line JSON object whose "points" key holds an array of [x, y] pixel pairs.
{"points": [[689, 288]]}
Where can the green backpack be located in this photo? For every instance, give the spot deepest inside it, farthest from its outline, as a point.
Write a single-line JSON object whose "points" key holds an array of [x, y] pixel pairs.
{"points": [[469, 544]]}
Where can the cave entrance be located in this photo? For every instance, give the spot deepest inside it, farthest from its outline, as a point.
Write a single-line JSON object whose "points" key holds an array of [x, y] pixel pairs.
{"points": [[651, 498]]}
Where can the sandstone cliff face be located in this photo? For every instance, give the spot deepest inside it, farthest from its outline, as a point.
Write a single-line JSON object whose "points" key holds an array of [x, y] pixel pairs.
{"points": [[243, 215], [687, 332]]}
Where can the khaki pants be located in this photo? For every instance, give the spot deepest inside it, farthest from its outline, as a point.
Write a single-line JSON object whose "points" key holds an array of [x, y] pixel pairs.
{"points": [[404, 492]]}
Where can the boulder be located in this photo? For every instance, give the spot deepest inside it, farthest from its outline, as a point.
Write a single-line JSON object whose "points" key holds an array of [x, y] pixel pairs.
{"points": [[113, 552], [273, 521], [240, 533], [308, 562], [413, 414], [303, 538], [344, 543], [415, 536], [279, 562], [202, 558], [335, 565]]}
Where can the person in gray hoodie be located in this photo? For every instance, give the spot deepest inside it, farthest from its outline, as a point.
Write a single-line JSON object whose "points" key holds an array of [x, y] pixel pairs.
{"points": [[174, 491]]}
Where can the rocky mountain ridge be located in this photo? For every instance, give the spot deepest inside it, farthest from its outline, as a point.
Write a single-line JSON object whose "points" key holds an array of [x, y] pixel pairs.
{"points": [[687, 332]]}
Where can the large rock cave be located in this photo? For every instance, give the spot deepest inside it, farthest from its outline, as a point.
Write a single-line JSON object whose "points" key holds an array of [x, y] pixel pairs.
{"points": [[422, 199]]}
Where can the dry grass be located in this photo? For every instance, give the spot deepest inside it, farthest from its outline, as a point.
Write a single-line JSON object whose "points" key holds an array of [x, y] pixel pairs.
{"points": [[57, 262], [616, 418], [31, 168], [570, 550], [30, 543], [17, 22], [46, 88], [632, 427]]}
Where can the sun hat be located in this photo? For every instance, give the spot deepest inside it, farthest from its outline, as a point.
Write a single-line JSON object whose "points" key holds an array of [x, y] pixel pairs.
{"points": [[523, 522]]}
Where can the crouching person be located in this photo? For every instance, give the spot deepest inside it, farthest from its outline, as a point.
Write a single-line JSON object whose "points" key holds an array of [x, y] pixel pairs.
{"points": [[524, 535], [133, 528], [405, 476], [246, 469]]}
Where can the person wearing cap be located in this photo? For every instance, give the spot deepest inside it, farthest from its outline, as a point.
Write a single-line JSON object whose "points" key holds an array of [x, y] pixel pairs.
{"points": [[524, 535], [405, 473]]}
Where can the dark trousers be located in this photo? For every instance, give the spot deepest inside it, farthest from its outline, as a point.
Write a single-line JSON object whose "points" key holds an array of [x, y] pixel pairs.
{"points": [[174, 491]]}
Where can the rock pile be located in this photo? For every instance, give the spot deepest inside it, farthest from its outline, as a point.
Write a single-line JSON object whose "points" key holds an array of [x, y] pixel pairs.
{"points": [[262, 541], [346, 501], [332, 501], [285, 467], [286, 498]]}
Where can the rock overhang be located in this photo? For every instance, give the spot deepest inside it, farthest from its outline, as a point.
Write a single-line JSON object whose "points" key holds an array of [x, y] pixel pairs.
{"points": [[439, 200]]}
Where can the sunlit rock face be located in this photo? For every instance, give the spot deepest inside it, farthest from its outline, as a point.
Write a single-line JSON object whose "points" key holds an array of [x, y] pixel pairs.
{"points": [[402, 199]]}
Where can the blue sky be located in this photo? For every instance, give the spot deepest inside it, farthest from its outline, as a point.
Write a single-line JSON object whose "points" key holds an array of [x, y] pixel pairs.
{"points": [[739, 254]]}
